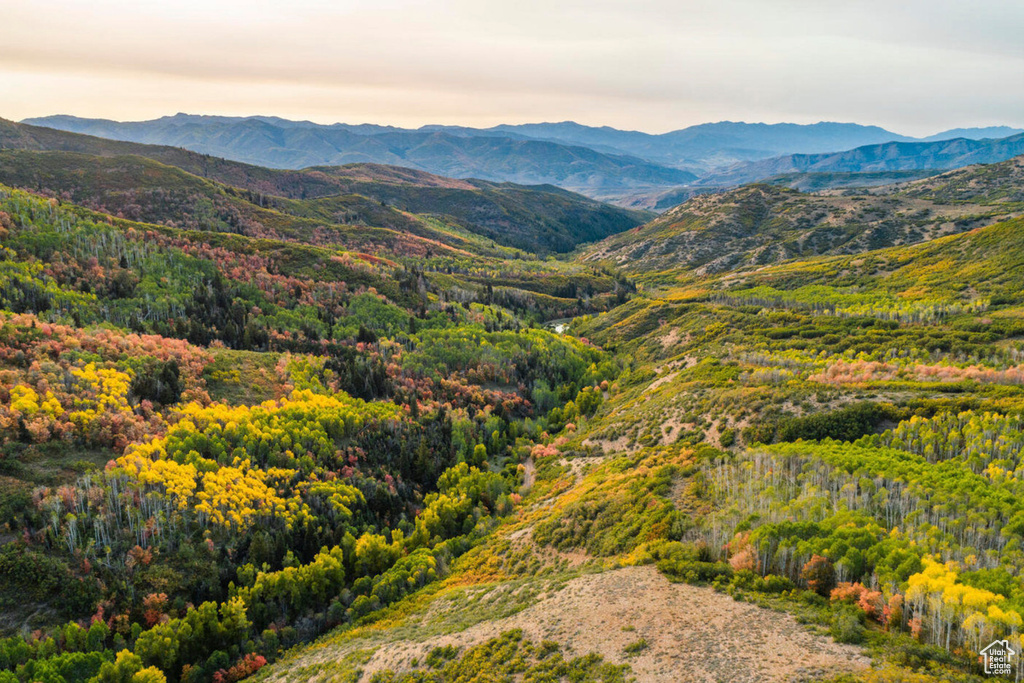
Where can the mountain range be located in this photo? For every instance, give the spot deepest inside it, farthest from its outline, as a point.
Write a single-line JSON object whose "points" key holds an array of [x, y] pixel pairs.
{"points": [[886, 157], [629, 168], [292, 145]]}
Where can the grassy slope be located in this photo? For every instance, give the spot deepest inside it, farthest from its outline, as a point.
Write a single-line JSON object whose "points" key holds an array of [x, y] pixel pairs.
{"points": [[760, 225], [979, 264]]}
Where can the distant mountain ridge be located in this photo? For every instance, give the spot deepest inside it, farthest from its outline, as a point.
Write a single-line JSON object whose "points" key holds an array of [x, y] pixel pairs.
{"points": [[887, 157], [631, 168], [709, 145], [292, 145], [676, 148], [974, 133]]}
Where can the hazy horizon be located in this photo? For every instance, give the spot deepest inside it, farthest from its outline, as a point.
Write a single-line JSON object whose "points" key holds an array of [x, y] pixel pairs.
{"points": [[916, 68], [525, 122]]}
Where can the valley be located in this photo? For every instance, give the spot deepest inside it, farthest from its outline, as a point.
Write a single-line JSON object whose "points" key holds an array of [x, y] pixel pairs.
{"points": [[318, 424]]}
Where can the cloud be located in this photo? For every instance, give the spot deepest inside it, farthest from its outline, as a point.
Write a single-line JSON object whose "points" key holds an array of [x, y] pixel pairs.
{"points": [[648, 64]]}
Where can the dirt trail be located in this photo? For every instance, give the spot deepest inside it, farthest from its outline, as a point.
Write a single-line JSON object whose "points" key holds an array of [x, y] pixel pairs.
{"points": [[694, 634], [529, 476]]}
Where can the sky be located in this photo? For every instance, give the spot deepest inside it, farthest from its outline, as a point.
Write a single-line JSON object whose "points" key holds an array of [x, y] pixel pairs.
{"points": [[913, 66]]}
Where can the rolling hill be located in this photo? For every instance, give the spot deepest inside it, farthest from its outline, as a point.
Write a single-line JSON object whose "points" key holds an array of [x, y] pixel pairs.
{"points": [[764, 224], [543, 218]]}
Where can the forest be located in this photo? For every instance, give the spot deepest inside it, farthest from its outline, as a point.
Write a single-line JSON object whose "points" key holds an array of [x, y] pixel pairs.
{"points": [[207, 460]]}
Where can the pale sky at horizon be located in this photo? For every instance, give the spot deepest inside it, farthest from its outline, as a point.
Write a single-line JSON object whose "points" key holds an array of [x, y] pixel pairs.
{"points": [[914, 67]]}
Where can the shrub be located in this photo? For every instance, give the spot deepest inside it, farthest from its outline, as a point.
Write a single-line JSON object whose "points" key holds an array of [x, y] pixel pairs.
{"points": [[636, 647], [820, 575], [777, 584], [689, 563], [848, 625]]}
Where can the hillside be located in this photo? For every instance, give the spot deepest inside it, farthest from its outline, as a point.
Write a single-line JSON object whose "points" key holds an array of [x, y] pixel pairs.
{"points": [[976, 267], [786, 351], [816, 182], [764, 224], [884, 355], [663, 200], [365, 380], [531, 218], [536, 216]]}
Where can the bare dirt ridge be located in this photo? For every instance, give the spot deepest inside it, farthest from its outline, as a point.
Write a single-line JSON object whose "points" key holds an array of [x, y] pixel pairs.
{"points": [[693, 633]]}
